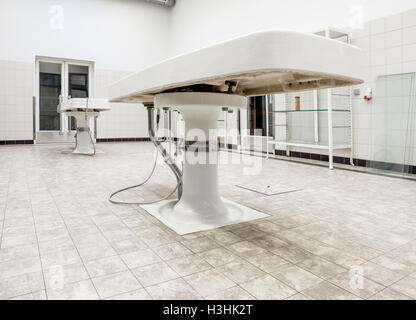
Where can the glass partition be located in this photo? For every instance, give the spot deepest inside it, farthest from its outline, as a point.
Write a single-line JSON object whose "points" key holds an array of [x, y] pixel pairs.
{"points": [[392, 134]]}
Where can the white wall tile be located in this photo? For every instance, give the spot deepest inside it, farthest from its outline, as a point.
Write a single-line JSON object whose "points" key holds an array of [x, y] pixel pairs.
{"points": [[409, 67], [378, 58], [377, 71], [409, 18], [394, 55], [360, 32], [409, 35], [377, 26], [394, 38], [125, 120], [409, 53], [16, 79], [394, 68], [394, 22], [393, 43], [363, 43], [377, 42]]}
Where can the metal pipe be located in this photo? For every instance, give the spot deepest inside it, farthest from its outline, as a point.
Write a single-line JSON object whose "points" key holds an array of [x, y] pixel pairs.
{"points": [[330, 131], [34, 117], [168, 159], [164, 3]]}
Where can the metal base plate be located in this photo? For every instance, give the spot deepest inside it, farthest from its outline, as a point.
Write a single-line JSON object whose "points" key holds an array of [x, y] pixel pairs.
{"points": [[72, 151], [163, 211], [269, 189]]}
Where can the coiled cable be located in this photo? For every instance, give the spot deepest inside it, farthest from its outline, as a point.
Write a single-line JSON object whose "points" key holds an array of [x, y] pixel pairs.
{"points": [[168, 160]]}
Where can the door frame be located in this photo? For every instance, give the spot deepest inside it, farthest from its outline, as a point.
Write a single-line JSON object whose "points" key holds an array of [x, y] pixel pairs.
{"points": [[64, 62]]}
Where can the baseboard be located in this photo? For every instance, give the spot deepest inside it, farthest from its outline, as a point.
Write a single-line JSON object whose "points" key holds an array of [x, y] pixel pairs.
{"points": [[103, 140], [12, 142], [357, 162], [228, 146]]}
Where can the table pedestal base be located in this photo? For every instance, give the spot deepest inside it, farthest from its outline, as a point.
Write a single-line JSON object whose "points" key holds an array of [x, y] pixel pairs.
{"points": [[169, 215], [84, 143], [200, 207]]}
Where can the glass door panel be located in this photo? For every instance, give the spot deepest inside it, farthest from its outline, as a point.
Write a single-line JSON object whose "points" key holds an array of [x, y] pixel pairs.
{"points": [[50, 88], [77, 85]]}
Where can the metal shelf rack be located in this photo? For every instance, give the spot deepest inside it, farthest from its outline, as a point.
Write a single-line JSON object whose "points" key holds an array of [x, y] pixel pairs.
{"points": [[330, 109]]}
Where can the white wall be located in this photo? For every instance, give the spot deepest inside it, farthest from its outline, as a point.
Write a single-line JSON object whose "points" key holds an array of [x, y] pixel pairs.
{"points": [[123, 36], [390, 47], [390, 44], [16, 91], [197, 23], [387, 33], [120, 36], [116, 34], [125, 120]]}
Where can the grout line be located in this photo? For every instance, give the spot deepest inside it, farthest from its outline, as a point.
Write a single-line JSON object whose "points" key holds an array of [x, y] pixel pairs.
{"points": [[4, 214], [137, 237], [325, 280], [111, 243], [37, 243], [366, 260], [292, 160], [73, 242], [389, 287]]}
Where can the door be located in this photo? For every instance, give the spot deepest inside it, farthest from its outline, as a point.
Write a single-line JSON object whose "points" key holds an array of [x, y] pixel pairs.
{"points": [[57, 79]]}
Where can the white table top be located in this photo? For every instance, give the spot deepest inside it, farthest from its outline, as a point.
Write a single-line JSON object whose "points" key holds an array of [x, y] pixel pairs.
{"points": [[260, 63], [83, 104]]}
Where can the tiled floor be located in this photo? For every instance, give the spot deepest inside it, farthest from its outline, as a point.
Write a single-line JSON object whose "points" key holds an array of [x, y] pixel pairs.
{"points": [[62, 239]]}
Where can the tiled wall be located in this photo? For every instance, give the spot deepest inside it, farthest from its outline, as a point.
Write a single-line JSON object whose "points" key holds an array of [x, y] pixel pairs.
{"points": [[16, 109], [125, 120], [16, 92], [390, 46], [389, 43]]}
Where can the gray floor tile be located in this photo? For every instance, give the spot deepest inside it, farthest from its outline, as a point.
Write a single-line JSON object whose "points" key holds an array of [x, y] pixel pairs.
{"points": [[328, 291], [268, 288], [155, 274], [173, 290], [115, 284], [105, 266], [189, 265], [208, 282], [83, 290], [58, 276], [140, 258]]}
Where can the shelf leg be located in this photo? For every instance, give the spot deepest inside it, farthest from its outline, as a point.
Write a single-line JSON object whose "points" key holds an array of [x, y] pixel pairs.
{"points": [[331, 159], [267, 157], [330, 131]]}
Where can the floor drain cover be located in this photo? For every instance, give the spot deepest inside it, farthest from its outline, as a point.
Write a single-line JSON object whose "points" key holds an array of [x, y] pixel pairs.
{"points": [[269, 189]]}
